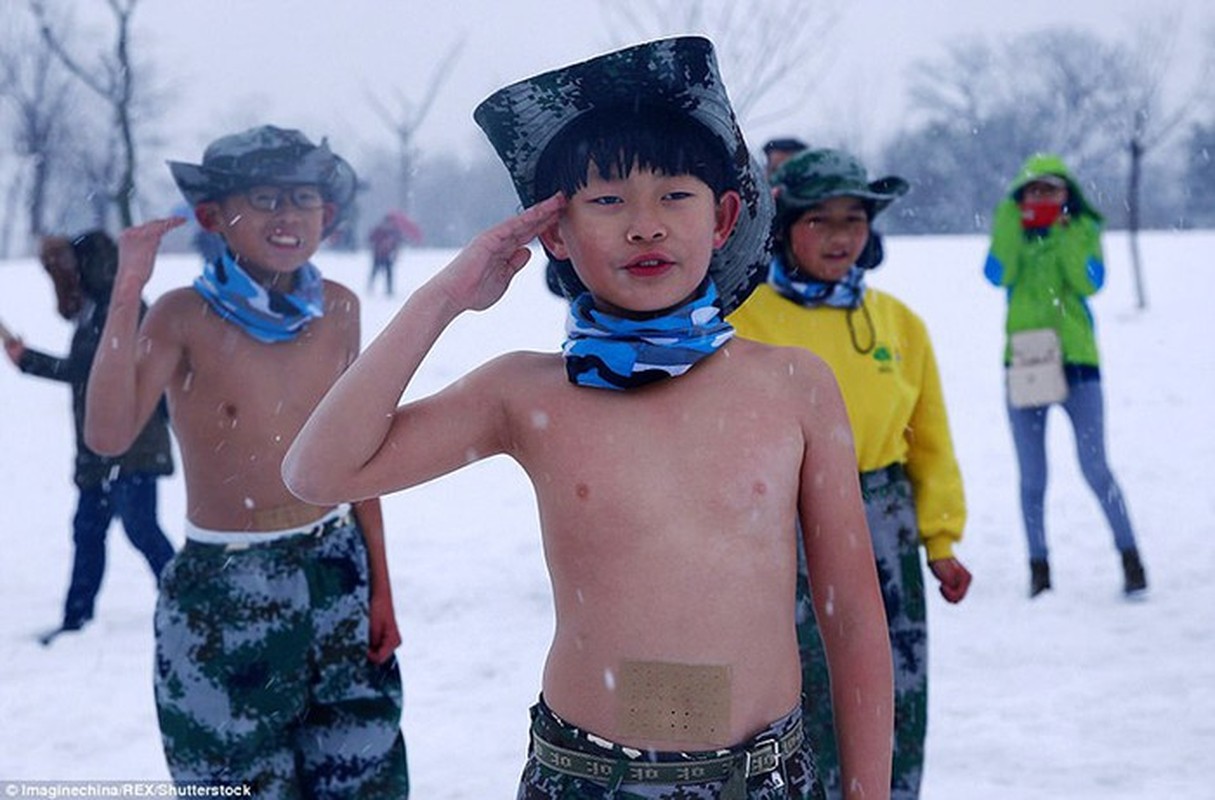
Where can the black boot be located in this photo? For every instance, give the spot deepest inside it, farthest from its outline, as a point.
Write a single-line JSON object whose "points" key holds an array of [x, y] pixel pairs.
{"points": [[1135, 580], [70, 624], [1039, 576]]}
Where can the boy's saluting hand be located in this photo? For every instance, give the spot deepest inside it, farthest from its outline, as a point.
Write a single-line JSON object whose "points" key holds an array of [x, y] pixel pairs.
{"points": [[480, 274], [137, 247]]}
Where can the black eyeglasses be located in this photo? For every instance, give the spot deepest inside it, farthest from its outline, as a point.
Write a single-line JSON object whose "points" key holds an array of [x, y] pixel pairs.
{"points": [[271, 198]]}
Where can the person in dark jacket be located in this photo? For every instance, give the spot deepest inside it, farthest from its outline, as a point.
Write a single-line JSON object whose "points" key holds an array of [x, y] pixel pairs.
{"points": [[82, 271]]}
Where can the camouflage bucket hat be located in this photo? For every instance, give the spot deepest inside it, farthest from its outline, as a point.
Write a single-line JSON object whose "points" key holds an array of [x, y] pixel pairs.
{"points": [[267, 155], [678, 74], [812, 176]]}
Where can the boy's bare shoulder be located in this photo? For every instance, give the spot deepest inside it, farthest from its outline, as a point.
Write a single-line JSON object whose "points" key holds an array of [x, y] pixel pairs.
{"points": [[339, 295], [174, 308], [517, 380], [788, 381], [525, 368], [342, 306], [177, 298], [777, 361]]}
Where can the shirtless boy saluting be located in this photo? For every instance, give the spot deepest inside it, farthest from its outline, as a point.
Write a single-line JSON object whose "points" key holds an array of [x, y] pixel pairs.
{"points": [[671, 462], [274, 628]]}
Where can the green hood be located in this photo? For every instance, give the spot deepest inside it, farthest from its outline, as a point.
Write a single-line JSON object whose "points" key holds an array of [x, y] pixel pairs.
{"points": [[1050, 274], [1040, 164]]}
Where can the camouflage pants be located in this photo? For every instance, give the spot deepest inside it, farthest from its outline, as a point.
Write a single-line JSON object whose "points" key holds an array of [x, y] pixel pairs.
{"points": [[890, 511], [796, 779], [262, 675]]}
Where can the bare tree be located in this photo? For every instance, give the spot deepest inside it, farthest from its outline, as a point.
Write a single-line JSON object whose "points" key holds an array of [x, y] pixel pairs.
{"points": [[96, 168], [1199, 178], [1149, 119], [113, 78], [966, 144], [1100, 105], [14, 186], [1074, 92], [407, 117], [771, 53], [1053, 89], [38, 95], [981, 108]]}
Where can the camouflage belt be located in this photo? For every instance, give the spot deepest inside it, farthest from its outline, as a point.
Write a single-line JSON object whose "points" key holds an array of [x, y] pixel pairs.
{"points": [[762, 757]]}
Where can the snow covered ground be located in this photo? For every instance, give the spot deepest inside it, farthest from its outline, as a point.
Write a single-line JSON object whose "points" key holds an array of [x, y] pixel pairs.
{"points": [[1076, 695]]}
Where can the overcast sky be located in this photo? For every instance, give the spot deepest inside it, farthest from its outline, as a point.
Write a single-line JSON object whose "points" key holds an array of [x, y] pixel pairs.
{"points": [[229, 64]]}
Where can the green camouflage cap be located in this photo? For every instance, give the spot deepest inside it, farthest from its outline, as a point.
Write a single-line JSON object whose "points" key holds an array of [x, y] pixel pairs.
{"points": [[812, 176], [267, 155], [679, 74]]}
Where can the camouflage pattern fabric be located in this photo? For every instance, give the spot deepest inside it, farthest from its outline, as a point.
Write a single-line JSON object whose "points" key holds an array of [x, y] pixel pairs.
{"points": [[890, 511], [815, 176], [679, 74], [262, 675], [267, 155], [796, 780]]}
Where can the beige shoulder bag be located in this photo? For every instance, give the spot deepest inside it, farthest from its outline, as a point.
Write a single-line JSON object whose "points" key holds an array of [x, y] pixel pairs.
{"points": [[1035, 374]]}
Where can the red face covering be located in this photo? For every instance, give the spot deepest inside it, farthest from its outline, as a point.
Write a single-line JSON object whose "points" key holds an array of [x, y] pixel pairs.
{"points": [[1040, 213]]}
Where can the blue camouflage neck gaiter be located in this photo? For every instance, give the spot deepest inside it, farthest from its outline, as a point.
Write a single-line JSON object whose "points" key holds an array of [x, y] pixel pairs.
{"points": [[610, 352], [844, 293], [267, 315]]}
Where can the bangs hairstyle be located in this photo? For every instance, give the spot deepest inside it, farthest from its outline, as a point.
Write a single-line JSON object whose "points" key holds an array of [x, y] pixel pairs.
{"points": [[620, 140]]}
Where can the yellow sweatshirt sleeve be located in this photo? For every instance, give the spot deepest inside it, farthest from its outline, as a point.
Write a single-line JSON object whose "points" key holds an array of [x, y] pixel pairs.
{"points": [[936, 479]]}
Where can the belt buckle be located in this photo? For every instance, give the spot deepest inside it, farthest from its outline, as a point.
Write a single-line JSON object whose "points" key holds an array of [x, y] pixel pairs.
{"points": [[764, 757]]}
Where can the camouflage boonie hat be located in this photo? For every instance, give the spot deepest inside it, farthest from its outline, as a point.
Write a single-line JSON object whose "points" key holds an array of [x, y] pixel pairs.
{"points": [[812, 176], [267, 155], [678, 74]]}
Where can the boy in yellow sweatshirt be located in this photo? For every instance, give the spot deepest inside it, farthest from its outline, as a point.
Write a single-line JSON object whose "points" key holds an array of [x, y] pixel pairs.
{"points": [[816, 299]]}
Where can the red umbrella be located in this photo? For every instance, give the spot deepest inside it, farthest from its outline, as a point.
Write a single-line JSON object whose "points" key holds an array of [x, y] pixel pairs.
{"points": [[404, 225]]}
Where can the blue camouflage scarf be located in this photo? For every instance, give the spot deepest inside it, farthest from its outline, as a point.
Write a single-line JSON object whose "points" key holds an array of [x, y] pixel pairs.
{"points": [[844, 293], [610, 352], [267, 315]]}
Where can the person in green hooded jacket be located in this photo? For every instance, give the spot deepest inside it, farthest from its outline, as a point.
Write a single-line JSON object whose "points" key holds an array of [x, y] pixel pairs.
{"points": [[1046, 252]]}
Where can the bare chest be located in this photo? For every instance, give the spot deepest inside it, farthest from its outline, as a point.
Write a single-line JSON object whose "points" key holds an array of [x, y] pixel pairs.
{"points": [[649, 460], [232, 393]]}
